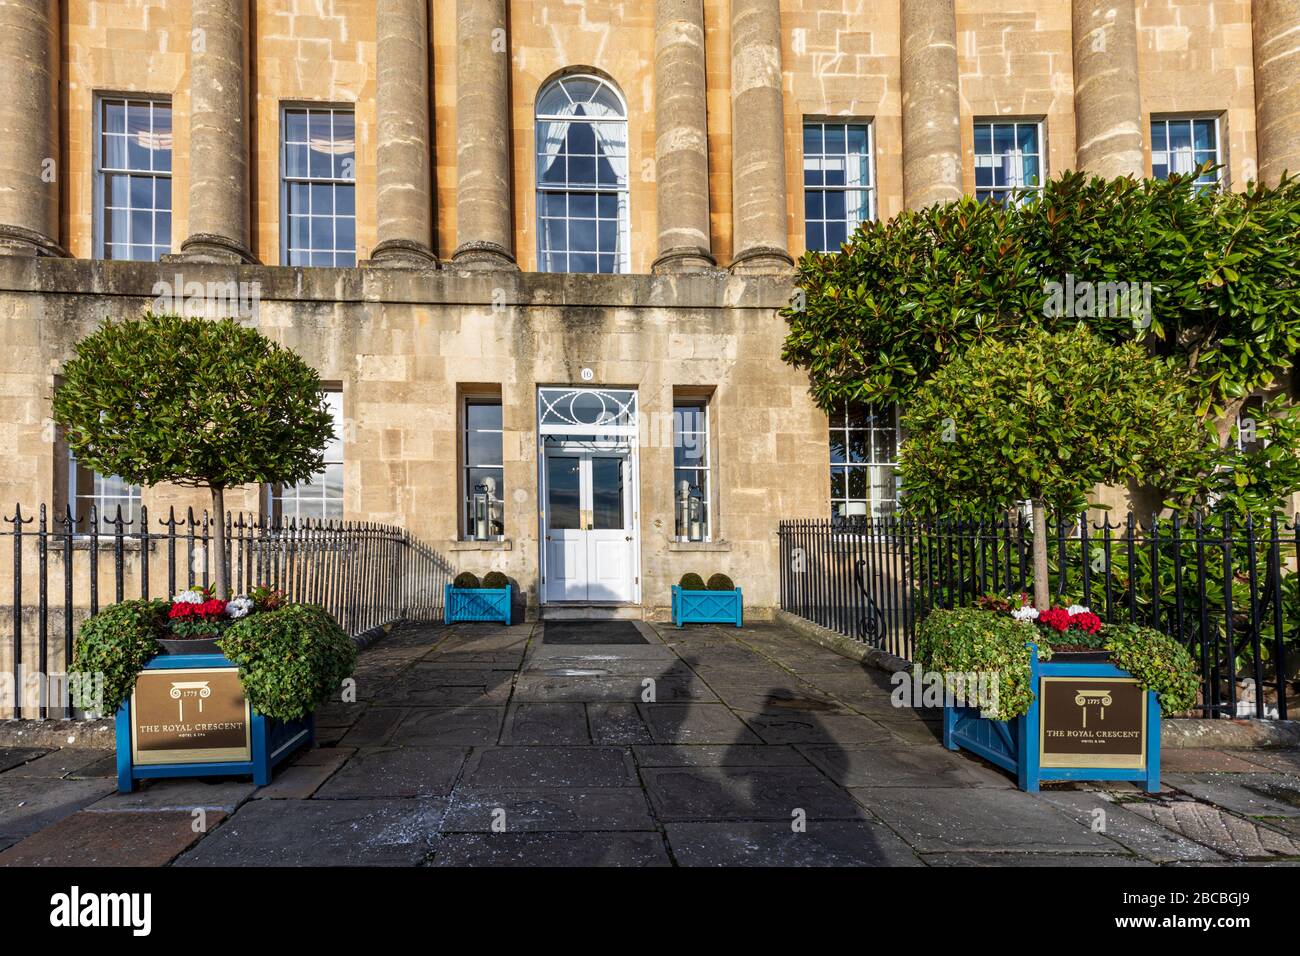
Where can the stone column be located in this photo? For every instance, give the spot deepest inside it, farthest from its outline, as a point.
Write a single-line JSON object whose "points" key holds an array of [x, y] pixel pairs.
{"points": [[758, 187], [1109, 141], [219, 115], [403, 193], [681, 138], [484, 220], [1276, 28], [931, 103], [29, 128]]}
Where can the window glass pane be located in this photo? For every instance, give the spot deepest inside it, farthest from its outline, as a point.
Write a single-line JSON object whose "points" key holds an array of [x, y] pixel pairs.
{"points": [[562, 504], [582, 163], [607, 493]]}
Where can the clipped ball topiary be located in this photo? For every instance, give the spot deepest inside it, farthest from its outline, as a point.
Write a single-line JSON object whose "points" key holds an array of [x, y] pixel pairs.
{"points": [[466, 580], [495, 580], [691, 582], [117, 643], [720, 582], [290, 660]]}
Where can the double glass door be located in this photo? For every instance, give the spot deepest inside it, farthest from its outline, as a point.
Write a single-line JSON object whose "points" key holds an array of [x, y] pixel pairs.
{"points": [[588, 523]]}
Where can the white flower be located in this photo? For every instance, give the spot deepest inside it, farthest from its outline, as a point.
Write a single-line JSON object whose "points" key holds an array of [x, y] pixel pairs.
{"points": [[1025, 613], [239, 607], [1074, 609], [192, 596]]}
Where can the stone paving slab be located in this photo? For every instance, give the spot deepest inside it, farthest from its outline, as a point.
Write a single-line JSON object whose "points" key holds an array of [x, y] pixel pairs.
{"points": [[982, 819], [1197, 760], [1229, 834], [739, 755], [11, 757], [435, 726], [622, 808], [374, 727], [819, 728], [824, 843], [546, 723], [671, 723], [116, 839], [529, 767], [1249, 794], [1133, 831], [180, 794], [396, 772], [539, 686], [322, 833], [552, 849], [1030, 859], [617, 723], [896, 766], [28, 804], [746, 793], [305, 775], [63, 763]]}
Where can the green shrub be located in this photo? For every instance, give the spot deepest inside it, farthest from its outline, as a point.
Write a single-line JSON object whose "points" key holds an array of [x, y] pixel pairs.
{"points": [[972, 641], [720, 582], [117, 642], [467, 580], [495, 580], [289, 660], [1158, 662], [691, 582]]}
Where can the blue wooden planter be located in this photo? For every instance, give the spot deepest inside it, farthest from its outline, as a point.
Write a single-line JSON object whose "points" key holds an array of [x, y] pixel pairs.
{"points": [[269, 741], [707, 607], [476, 604], [1015, 745]]}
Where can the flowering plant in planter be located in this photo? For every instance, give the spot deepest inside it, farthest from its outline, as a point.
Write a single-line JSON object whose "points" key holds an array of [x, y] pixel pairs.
{"points": [[1158, 661]]}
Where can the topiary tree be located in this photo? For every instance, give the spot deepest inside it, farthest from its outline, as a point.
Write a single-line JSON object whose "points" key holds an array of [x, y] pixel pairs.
{"points": [[194, 402], [1044, 418]]}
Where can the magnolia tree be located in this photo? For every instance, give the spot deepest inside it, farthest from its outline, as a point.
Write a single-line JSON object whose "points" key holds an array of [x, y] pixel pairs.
{"points": [[1204, 277], [1044, 418], [193, 402]]}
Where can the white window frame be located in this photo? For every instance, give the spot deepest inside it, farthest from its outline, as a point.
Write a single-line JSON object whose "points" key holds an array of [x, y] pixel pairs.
{"points": [[287, 250], [869, 188], [622, 193], [839, 423], [1018, 191], [706, 466], [105, 504], [467, 497], [1180, 157], [285, 502], [100, 214]]}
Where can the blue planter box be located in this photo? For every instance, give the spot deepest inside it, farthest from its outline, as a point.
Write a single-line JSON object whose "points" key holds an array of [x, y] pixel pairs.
{"points": [[269, 741], [476, 604], [1017, 745], [707, 607]]}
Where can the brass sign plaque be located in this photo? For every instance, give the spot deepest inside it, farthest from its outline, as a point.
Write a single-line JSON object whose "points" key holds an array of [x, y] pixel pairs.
{"points": [[190, 715], [1092, 722]]}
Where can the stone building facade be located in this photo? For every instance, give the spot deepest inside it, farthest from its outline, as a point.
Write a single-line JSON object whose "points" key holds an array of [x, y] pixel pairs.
{"points": [[545, 243]]}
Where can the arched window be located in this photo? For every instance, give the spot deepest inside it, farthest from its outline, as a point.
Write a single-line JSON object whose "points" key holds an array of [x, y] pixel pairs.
{"points": [[581, 177]]}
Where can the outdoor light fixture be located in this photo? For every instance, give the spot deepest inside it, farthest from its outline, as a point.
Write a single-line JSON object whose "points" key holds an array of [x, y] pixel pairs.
{"points": [[695, 509], [484, 509]]}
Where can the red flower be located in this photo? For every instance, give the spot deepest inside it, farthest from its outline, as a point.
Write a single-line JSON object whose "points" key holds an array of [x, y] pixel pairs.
{"points": [[1057, 618], [1086, 621]]}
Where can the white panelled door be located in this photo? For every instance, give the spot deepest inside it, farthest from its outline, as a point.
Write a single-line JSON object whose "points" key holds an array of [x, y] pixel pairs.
{"points": [[588, 523]]}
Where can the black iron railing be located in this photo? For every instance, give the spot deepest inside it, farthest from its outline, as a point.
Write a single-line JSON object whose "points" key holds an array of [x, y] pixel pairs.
{"points": [[1228, 590], [66, 567]]}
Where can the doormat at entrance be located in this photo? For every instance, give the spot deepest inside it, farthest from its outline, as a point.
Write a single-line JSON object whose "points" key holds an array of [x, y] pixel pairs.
{"points": [[591, 632]]}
